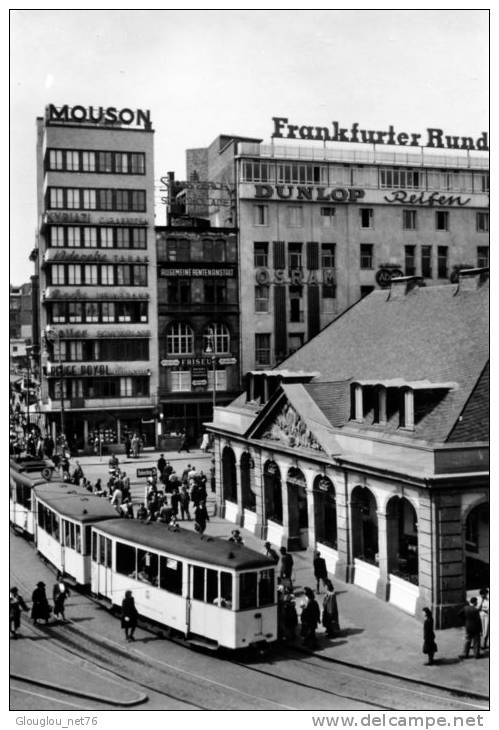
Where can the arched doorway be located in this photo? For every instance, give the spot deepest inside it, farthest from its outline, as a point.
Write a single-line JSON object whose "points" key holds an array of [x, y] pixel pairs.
{"points": [[402, 539], [297, 508], [326, 528], [229, 477], [477, 547], [364, 525], [272, 492], [247, 471]]}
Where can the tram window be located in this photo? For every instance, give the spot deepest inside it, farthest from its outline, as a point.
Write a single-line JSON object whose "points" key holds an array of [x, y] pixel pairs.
{"points": [[47, 520], [211, 585], [226, 589], [23, 495], [69, 534], [102, 550], [55, 526], [88, 531], [266, 588], [170, 575], [126, 560], [94, 547], [41, 519], [247, 590], [109, 554], [147, 564], [78, 538], [198, 583]]}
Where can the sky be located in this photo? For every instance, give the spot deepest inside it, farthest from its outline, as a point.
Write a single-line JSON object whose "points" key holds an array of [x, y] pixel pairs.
{"points": [[208, 72]]}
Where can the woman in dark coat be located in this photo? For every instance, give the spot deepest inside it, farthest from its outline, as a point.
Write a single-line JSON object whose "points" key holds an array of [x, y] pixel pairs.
{"points": [[40, 608], [310, 617], [201, 517], [129, 616], [330, 618], [429, 645]]}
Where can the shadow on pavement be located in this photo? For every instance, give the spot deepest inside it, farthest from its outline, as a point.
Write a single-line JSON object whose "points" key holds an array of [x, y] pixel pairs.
{"points": [[351, 632], [445, 662]]}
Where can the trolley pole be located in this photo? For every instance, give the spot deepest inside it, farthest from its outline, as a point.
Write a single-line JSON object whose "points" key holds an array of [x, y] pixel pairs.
{"points": [[61, 383], [28, 357]]}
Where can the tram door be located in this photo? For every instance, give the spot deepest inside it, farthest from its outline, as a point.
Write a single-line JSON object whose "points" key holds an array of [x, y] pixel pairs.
{"points": [[104, 566]]}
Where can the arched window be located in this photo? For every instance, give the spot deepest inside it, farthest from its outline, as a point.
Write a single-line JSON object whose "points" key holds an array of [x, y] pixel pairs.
{"points": [[217, 335], [179, 339]]}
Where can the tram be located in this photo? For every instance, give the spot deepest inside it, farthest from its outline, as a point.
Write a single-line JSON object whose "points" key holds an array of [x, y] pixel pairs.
{"points": [[65, 514], [213, 592], [24, 474]]}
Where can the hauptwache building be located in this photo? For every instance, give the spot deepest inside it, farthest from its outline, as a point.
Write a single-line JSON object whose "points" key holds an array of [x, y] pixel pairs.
{"points": [[370, 444], [322, 224], [96, 259]]}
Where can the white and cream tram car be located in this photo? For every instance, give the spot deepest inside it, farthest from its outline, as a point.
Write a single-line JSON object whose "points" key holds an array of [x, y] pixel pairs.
{"points": [[20, 500], [65, 514], [211, 590]]}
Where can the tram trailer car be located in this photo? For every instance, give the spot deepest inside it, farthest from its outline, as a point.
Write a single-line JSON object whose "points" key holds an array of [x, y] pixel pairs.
{"points": [[64, 518], [20, 498], [214, 592]]}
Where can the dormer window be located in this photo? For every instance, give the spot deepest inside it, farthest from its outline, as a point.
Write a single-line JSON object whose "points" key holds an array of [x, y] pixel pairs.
{"points": [[406, 418], [356, 403], [395, 402]]}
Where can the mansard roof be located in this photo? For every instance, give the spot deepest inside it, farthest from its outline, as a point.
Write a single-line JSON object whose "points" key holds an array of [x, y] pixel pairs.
{"points": [[437, 334]]}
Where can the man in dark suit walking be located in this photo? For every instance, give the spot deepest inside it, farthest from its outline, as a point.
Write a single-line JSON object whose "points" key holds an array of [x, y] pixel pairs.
{"points": [[472, 628]]}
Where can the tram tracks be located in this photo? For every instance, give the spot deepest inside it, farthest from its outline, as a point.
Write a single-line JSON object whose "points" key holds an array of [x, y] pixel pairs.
{"points": [[132, 664], [341, 674]]}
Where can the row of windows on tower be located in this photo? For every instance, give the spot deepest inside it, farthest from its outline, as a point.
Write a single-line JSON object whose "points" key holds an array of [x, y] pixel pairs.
{"points": [[102, 350], [97, 275], [105, 237], [117, 387], [96, 312], [108, 199], [410, 220], [101, 161]]}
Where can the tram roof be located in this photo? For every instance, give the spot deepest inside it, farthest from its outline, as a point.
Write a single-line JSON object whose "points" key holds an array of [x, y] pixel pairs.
{"points": [[186, 544], [74, 502]]}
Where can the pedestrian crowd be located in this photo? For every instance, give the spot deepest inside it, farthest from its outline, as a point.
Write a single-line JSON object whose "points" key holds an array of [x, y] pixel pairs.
{"points": [[41, 609]]}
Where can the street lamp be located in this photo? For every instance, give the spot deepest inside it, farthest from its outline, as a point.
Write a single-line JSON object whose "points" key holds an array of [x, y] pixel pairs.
{"points": [[210, 351], [51, 335], [28, 358]]}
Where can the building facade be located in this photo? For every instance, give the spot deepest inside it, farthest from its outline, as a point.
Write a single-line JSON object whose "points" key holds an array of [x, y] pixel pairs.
{"points": [[20, 312], [371, 444], [198, 325], [96, 261], [320, 227]]}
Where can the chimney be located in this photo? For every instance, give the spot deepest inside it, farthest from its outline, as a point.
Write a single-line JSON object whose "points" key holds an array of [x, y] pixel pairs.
{"points": [[401, 286], [472, 279]]}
